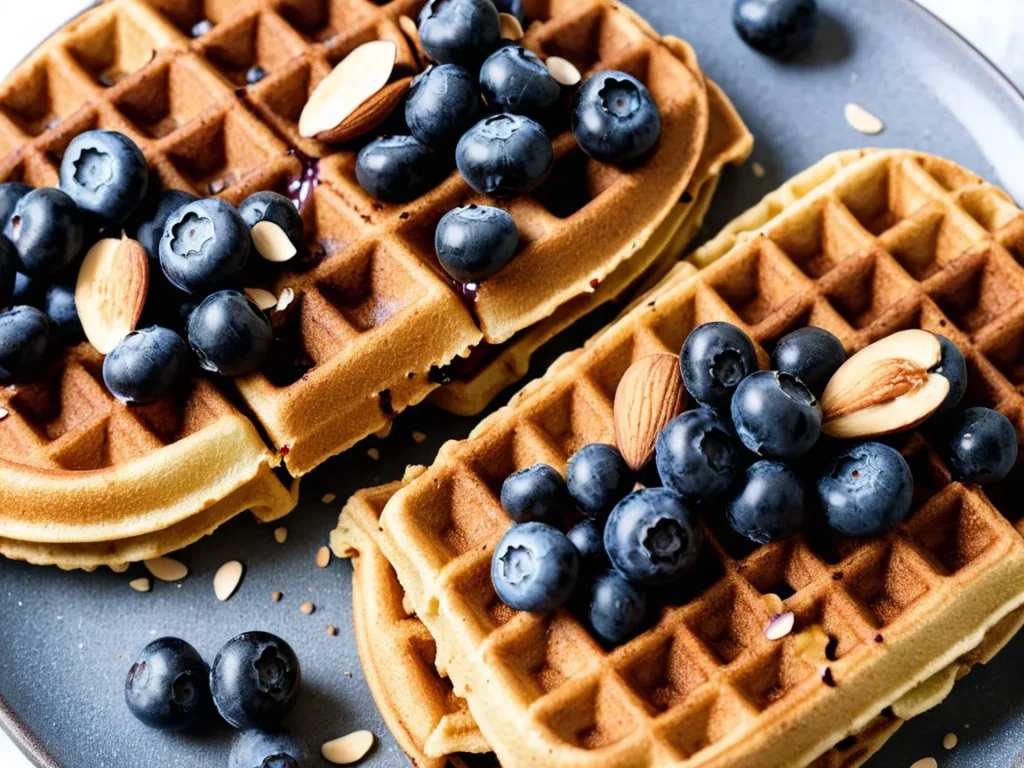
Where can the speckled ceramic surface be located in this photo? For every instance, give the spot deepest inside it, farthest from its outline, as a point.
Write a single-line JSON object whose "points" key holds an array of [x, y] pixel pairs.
{"points": [[67, 639]]}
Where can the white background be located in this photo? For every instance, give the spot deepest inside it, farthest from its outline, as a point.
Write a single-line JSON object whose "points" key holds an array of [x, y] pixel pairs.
{"points": [[995, 26]]}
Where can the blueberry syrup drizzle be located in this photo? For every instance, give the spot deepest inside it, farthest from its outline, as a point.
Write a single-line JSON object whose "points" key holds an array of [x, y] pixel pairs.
{"points": [[300, 189]]}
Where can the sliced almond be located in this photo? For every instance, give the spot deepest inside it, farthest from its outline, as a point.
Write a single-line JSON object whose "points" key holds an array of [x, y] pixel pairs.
{"points": [[307, 608], [323, 557], [355, 80], [780, 625], [348, 749], [511, 29], [284, 300], [140, 585], [276, 596], [650, 394], [328, 498], [773, 603], [227, 579], [272, 243], [4, 413], [118, 567], [280, 534], [564, 71], [812, 645], [862, 120], [263, 299], [166, 569], [111, 291], [886, 387]]}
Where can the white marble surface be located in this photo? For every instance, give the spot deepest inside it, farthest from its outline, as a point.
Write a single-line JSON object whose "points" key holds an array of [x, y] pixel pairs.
{"points": [[994, 26]]}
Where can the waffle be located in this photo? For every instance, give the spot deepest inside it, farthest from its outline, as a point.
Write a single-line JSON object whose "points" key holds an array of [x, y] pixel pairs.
{"points": [[866, 244], [373, 315]]}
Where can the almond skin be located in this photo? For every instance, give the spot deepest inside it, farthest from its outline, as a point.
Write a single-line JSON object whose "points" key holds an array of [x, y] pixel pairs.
{"points": [[648, 397], [368, 115], [111, 291]]}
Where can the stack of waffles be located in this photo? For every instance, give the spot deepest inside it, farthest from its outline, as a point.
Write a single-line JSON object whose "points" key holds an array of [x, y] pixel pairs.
{"points": [[375, 325], [863, 244]]}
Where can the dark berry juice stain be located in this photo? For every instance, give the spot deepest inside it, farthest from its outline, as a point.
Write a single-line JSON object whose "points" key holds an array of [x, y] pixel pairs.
{"points": [[289, 360], [827, 679], [300, 189], [469, 292], [686, 198], [385, 404]]}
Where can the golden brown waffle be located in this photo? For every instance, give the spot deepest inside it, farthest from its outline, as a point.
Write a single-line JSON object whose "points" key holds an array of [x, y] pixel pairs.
{"points": [[370, 320], [892, 240]]}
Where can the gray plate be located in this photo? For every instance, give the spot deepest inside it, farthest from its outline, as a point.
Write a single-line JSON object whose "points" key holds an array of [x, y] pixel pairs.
{"points": [[67, 639]]}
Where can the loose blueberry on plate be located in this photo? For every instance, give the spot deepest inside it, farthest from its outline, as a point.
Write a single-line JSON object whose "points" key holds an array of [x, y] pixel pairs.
{"points": [[865, 490], [534, 568], [48, 231], [697, 454], [229, 334], [614, 118], [505, 155], [475, 242], [778, 28], [617, 608], [254, 74], [515, 7], [168, 687], [442, 104], [106, 174], [811, 354], [264, 211], [255, 680], [535, 493], [715, 358], [8, 271], [269, 749], [980, 445], [147, 224], [26, 341], [588, 538], [954, 368], [775, 415], [397, 169], [10, 194], [63, 314], [459, 32], [652, 537], [145, 365], [514, 79], [598, 478], [769, 505], [205, 246]]}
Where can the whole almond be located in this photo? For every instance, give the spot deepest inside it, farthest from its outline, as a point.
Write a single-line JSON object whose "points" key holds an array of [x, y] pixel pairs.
{"points": [[111, 291], [648, 397]]}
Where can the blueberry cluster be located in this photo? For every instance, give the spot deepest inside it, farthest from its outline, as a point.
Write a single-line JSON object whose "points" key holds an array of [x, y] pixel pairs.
{"points": [[490, 105], [255, 681], [200, 251]]}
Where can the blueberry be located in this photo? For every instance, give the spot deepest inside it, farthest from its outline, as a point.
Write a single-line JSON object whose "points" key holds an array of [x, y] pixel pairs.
{"points": [[775, 415], [865, 490], [769, 505], [778, 28], [10, 194], [26, 341], [106, 174], [229, 334], [254, 74], [588, 538], [534, 568], [979, 444], [514, 79], [614, 118], [28, 290], [535, 493], [168, 686], [953, 367], [145, 365], [269, 749], [147, 224], [48, 231], [278, 210], [205, 246], [460, 32], [652, 537], [443, 103], [63, 314], [475, 242], [255, 680], [715, 358], [505, 155], [397, 169], [598, 478], [811, 354], [8, 271], [515, 7], [617, 608], [697, 454]]}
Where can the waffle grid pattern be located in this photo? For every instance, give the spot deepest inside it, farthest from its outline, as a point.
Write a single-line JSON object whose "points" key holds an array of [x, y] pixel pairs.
{"points": [[894, 241]]}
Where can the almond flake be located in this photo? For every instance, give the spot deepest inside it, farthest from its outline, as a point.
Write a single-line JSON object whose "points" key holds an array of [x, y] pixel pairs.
{"points": [[271, 242], [564, 71], [862, 120], [347, 749], [332, 631], [166, 569], [758, 169], [781, 624], [925, 762], [140, 585], [4, 413], [307, 608], [949, 741], [281, 534], [276, 596], [373, 453], [118, 567], [511, 29], [111, 291], [419, 437], [773, 603], [323, 557], [263, 299], [407, 606], [227, 579], [287, 297], [328, 498]]}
